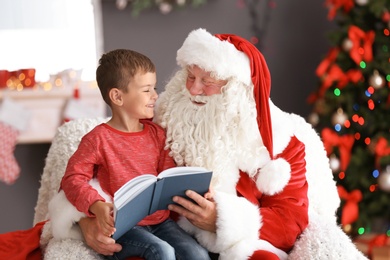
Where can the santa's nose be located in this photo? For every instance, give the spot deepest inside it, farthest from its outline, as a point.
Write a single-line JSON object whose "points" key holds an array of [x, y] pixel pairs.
{"points": [[196, 88]]}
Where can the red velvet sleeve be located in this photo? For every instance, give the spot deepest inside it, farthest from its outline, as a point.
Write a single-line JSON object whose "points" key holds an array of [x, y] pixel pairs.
{"points": [[284, 215]]}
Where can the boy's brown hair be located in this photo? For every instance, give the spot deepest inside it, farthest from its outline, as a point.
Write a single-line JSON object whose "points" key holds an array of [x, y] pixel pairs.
{"points": [[118, 67]]}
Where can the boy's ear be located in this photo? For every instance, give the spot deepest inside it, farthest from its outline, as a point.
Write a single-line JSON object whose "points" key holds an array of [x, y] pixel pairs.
{"points": [[115, 96]]}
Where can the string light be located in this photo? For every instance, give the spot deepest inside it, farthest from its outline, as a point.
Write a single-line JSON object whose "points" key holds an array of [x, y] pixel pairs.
{"points": [[341, 175], [337, 92], [372, 188], [347, 123], [375, 173], [363, 65], [347, 228], [371, 104]]}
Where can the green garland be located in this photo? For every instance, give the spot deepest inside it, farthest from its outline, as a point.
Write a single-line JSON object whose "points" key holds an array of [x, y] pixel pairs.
{"points": [[165, 6]]}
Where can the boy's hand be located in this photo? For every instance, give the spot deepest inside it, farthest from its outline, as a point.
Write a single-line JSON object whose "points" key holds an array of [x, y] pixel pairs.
{"points": [[103, 212]]}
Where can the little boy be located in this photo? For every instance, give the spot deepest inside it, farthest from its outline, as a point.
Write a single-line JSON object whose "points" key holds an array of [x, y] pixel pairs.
{"points": [[127, 146]]}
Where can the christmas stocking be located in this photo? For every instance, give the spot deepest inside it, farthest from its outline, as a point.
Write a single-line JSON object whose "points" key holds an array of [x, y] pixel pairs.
{"points": [[76, 108], [9, 169], [13, 120]]}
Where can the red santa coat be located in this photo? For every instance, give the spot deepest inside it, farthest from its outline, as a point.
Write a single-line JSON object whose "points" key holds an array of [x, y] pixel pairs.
{"points": [[284, 215], [254, 220]]}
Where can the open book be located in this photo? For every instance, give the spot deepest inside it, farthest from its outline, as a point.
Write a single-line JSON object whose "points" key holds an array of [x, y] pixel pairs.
{"points": [[147, 193]]}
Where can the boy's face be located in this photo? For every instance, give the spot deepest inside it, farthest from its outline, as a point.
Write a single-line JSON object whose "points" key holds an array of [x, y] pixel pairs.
{"points": [[141, 96]]}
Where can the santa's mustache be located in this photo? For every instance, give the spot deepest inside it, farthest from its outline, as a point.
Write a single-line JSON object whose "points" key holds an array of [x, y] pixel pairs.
{"points": [[199, 99]]}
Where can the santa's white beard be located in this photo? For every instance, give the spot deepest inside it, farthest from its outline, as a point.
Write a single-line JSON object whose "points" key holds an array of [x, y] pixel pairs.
{"points": [[221, 135]]}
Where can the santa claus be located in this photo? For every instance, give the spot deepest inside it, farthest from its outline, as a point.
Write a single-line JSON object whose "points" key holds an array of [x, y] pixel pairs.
{"points": [[218, 114]]}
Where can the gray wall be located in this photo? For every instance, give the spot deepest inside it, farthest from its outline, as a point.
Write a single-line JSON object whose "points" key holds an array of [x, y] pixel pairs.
{"points": [[293, 46]]}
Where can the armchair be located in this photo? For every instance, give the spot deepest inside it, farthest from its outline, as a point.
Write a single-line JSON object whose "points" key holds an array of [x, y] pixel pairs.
{"points": [[322, 239]]}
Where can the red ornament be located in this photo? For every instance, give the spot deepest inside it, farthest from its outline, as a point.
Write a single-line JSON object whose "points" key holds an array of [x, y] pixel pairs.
{"points": [[386, 16]]}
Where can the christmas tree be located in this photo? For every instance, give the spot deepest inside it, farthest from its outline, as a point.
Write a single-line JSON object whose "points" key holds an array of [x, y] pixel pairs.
{"points": [[351, 111]]}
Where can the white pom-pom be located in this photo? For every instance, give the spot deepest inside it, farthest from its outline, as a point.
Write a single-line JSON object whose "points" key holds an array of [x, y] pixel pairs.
{"points": [[274, 176]]}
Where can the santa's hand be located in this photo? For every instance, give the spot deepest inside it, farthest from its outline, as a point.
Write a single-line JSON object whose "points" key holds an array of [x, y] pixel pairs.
{"points": [[202, 214], [96, 239]]}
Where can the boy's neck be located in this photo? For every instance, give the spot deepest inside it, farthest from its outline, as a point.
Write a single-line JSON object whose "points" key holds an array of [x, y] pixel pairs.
{"points": [[126, 125]]}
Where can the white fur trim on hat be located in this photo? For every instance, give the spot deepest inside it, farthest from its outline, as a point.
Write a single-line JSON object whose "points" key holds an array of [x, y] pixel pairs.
{"points": [[274, 176], [213, 55]]}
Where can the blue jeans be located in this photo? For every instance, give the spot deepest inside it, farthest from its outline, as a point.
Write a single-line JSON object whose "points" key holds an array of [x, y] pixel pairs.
{"points": [[165, 241]]}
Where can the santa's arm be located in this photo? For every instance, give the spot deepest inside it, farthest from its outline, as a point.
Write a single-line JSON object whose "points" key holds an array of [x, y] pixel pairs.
{"points": [[285, 214], [256, 221]]}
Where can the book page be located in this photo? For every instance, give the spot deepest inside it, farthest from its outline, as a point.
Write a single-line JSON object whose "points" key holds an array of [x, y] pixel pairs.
{"points": [[180, 170], [131, 183], [132, 188]]}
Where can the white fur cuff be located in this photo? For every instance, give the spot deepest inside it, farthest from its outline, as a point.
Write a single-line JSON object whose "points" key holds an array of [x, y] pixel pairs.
{"points": [[238, 220], [62, 216]]}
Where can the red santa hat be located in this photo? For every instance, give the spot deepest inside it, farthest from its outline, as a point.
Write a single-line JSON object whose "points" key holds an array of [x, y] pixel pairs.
{"points": [[231, 56]]}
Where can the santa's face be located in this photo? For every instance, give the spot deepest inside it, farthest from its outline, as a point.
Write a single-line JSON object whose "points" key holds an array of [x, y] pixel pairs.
{"points": [[200, 83], [217, 131]]}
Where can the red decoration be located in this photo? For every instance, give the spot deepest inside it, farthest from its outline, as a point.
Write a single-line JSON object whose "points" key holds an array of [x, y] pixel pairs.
{"points": [[335, 5], [330, 72], [336, 74], [22, 77], [344, 143], [4, 77], [326, 63], [362, 44], [312, 98], [375, 246], [386, 16], [380, 240], [350, 211], [26, 77], [381, 149]]}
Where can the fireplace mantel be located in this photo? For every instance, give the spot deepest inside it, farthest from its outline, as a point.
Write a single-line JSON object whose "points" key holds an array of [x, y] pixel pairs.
{"points": [[47, 108]]}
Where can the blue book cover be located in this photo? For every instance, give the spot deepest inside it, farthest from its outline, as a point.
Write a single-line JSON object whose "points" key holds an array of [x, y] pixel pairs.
{"points": [[133, 212], [177, 185]]}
